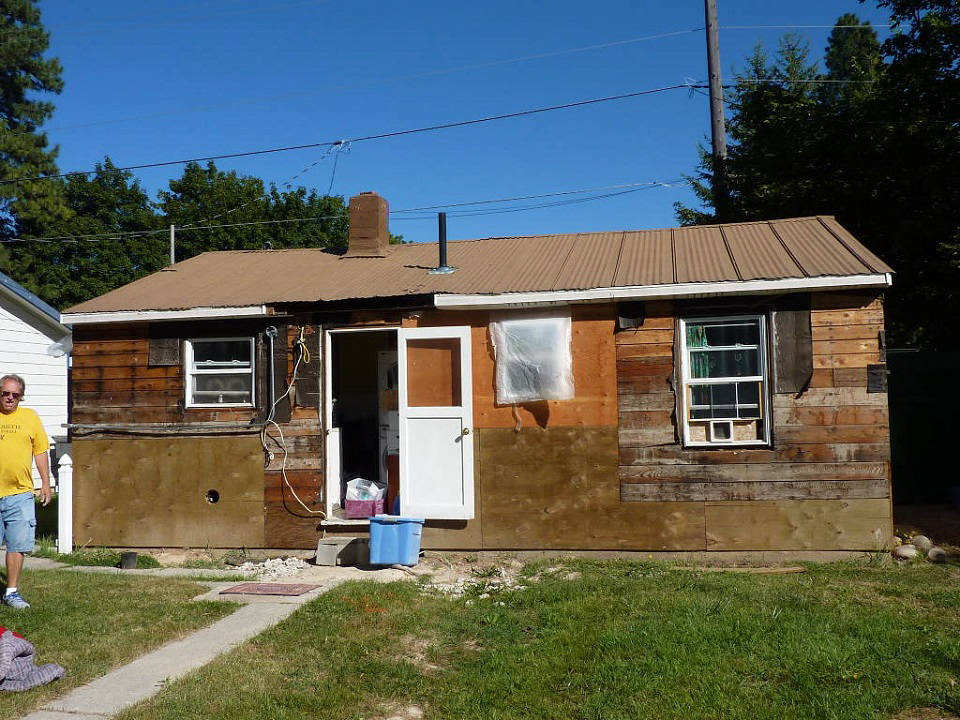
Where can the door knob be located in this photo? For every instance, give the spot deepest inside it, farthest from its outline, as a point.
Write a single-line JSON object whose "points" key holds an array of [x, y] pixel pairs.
{"points": [[466, 431]]}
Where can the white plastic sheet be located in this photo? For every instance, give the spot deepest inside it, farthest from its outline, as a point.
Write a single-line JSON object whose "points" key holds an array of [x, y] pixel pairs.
{"points": [[533, 360]]}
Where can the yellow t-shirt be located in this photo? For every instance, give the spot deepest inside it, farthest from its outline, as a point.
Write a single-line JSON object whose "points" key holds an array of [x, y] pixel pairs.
{"points": [[21, 437]]}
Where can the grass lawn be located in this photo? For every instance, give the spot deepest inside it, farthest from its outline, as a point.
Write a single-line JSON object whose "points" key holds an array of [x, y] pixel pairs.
{"points": [[602, 640], [93, 623]]}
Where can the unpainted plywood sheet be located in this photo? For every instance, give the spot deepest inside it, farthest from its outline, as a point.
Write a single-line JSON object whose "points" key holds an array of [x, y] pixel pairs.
{"points": [[152, 492], [855, 524]]}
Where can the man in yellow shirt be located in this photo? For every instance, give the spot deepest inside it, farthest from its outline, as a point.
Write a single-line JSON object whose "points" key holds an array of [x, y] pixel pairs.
{"points": [[22, 441]]}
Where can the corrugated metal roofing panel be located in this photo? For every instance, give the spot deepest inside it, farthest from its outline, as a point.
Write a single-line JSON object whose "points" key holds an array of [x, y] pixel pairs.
{"points": [[647, 259], [758, 253], [591, 263], [501, 265], [817, 250], [858, 248], [701, 255]]}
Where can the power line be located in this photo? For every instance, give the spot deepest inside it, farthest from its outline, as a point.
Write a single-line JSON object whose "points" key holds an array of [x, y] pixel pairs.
{"points": [[638, 185], [379, 136], [804, 27], [626, 187]]}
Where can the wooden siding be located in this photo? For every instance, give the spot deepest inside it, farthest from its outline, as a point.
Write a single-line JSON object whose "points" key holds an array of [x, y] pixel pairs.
{"points": [[115, 384], [823, 484]]}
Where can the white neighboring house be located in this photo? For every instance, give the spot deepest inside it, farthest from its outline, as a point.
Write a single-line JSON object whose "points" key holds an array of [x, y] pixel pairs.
{"points": [[35, 345]]}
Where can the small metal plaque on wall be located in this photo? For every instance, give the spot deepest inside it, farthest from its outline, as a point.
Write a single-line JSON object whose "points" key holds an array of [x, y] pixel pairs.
{"points": [[164, 351]]}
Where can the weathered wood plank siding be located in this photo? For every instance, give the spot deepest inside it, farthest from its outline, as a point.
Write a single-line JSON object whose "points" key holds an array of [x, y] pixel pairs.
{"points": [[822, 484], [117, 382]]}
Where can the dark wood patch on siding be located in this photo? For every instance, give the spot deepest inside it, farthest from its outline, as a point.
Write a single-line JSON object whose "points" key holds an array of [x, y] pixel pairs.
{"points": [[793, 350], [286, 523], [164, 351]]}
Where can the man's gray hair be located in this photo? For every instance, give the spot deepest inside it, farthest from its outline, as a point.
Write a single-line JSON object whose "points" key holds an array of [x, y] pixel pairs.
{"points": [[17, 378]]}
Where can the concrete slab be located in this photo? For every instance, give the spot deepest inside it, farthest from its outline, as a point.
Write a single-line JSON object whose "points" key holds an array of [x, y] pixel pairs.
{"points": [[39, 563]]}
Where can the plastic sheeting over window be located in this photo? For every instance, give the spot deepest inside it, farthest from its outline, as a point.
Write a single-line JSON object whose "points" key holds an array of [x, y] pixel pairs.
{"points": [[533, 358]]}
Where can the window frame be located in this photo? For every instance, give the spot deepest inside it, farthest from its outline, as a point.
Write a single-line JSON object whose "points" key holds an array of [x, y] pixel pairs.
{"points": [[190, 371], [686, 381]]}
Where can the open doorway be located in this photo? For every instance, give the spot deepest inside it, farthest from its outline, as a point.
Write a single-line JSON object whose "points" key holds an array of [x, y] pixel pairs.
{"points": [[362, 416]]}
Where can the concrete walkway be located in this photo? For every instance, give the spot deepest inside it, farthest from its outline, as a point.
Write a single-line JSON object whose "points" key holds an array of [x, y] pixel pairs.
{"points": [[146, 676]]}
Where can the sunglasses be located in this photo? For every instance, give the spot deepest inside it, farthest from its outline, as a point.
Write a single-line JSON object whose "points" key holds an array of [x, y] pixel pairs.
{"points": [[10, 393]]}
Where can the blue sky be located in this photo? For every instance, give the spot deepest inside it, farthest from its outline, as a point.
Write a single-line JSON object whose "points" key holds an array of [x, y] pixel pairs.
{"points": [[155, 81]]}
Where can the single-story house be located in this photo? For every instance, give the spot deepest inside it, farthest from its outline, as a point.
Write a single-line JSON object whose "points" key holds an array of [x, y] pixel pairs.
{"points": [[707, 388], [35, 345]]}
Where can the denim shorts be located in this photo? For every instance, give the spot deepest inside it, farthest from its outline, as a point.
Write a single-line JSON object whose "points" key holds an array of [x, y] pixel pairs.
{"points": [[18, 522]]}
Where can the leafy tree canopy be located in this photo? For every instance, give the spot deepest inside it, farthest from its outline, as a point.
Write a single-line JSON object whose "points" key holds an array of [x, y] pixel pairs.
{"points": [[879, 150], [24, 151]]}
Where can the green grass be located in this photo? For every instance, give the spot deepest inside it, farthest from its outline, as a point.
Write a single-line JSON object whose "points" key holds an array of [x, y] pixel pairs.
{"points": [[620, 641], [92, 623], [46, 547]]}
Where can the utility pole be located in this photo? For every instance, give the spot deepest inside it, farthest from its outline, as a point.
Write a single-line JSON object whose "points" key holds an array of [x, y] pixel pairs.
{"points": [[718, 128], [173, 244]]}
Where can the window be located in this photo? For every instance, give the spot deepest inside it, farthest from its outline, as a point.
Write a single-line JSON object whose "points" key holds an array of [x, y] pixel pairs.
{"points": [[724, 381], [220, 372], [533, 358]]}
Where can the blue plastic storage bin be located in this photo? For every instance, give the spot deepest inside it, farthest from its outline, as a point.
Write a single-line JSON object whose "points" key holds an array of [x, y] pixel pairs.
{"points": [[395, 540]]}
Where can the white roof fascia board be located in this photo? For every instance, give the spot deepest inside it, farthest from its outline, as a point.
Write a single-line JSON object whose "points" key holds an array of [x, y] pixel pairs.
{"points": [[656, 292], [42, 318], [199, 313]]}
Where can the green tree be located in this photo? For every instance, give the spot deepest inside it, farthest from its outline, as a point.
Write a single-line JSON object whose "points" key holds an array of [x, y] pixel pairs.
{"points": [[25, 207], [880, 153], [68, 272], [204, 199]]}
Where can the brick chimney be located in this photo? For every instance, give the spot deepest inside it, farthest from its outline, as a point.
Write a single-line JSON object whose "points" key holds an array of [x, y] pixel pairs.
{"points": [[369, 226]]}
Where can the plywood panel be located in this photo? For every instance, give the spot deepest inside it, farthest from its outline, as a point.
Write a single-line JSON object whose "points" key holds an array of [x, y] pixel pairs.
{"points": [[433, 372], [786, 490], [558, 488], [151, 492], [594, 375], [855, 524]]}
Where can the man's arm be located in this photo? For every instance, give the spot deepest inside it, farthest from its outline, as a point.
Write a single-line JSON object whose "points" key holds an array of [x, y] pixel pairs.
{"points": [[43, 467]]}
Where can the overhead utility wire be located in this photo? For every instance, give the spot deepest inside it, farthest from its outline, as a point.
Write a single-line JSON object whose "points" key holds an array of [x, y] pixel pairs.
{"points": [[803, 27], [653, 183], [379, 136], [138, 233]]}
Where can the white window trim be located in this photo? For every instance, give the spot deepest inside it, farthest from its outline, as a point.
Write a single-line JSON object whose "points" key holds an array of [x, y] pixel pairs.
{"points": [[188, 371], [766, 414]]}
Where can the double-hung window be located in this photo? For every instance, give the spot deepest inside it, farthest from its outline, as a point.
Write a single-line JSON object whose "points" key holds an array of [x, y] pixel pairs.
{"points": [[220, 372], [724, 374]]}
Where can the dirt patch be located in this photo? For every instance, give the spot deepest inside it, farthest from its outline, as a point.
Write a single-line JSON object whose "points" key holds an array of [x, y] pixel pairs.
{"points": [[415, 649], [925, 713], [400, 712]]}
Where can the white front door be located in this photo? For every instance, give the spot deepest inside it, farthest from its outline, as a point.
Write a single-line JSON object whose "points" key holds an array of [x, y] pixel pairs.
{"points": [[436, 416]]}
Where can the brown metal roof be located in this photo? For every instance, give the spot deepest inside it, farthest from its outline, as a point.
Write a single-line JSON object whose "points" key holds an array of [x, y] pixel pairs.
{"points": [[777, 249]]}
